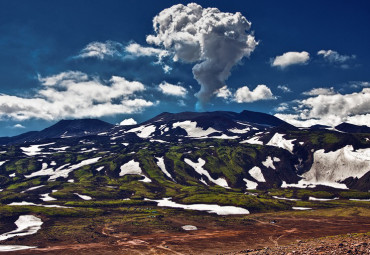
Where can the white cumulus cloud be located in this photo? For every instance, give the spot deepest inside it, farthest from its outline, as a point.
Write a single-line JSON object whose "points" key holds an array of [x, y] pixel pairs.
{"points": [[359, 84], [127, 122], [75, 95], [333, 56], [282, 107], [245, 95], [116, 50], [173, 90], [63, 77], [224, 93], [212, 39], [138, 50], [101, 50], [291, 58], [284, 88], [320, 91], [331, 109]]}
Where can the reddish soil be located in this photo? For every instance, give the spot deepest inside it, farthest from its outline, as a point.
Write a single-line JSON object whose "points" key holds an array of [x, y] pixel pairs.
{"points": [[342, 244], [255, 236]]}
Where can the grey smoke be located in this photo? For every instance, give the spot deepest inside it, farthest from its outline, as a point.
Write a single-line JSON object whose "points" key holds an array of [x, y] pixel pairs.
{"points": [[214, 40]]}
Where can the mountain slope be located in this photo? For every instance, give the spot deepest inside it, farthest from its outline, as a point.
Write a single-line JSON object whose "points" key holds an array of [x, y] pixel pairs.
{"points": [[202, 157], [62, 129], [351, 128], [255, 118], [201, 125]]}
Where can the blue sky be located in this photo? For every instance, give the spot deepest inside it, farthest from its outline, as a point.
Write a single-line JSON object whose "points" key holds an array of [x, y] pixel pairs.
{"points": [[306, 62]]}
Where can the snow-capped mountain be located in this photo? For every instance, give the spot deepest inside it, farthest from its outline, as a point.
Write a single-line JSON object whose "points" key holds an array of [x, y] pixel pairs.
{"points": [[194, 125], [246, 151]]}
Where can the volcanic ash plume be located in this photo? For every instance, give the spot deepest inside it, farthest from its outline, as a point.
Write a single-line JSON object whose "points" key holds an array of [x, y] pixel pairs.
{"points": [[214, 40]]}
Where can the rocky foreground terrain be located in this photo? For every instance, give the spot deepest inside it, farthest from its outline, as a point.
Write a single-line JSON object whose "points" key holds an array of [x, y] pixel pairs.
{"points": [[342, 244]]}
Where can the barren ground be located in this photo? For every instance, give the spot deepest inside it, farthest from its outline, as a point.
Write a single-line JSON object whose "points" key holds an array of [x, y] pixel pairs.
{"points": [[255, 234]]}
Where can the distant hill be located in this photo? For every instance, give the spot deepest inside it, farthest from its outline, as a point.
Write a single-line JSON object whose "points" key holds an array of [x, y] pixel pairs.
{"points": [[351, 128], [62, 129]]}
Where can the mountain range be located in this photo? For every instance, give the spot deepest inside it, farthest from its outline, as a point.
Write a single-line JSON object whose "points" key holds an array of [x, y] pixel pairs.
{"points": [[179, 154]]}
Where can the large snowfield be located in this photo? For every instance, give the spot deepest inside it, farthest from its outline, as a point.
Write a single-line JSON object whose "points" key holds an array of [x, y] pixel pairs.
{"points": [[330, 168]]}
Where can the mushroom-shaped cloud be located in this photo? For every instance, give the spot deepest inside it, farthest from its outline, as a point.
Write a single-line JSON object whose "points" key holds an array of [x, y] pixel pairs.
{"points": [[214, 40]]}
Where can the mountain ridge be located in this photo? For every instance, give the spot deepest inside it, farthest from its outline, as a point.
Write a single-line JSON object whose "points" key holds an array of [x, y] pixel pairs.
{"points": [[63, 128], [283, 155], [219, 120]]}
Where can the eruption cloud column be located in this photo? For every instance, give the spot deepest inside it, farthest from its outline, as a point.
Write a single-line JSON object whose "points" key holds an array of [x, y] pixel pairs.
{"points": [[215, 41]]}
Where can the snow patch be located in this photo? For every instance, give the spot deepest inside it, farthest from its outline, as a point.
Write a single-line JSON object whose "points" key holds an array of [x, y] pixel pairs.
{"points": [[23, 203], [278, 141], [6, 248], [203, 181], [336, 166], [88, 150], [239, 131], [285, 198], [223, 136], [210, 208], [250, 184], [62, 171], [33, 188], [60, 149], [100, 168], [143, 131], [84, 197], [157, 140], [269, 162], [133, 167], [33, 150], [162, 166], [192, 130], [26, 225], [307, 184], [64, 135], [301, 208], [322, 199], [46, 197], [253, 140], [256, 173], [198, 167]]}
